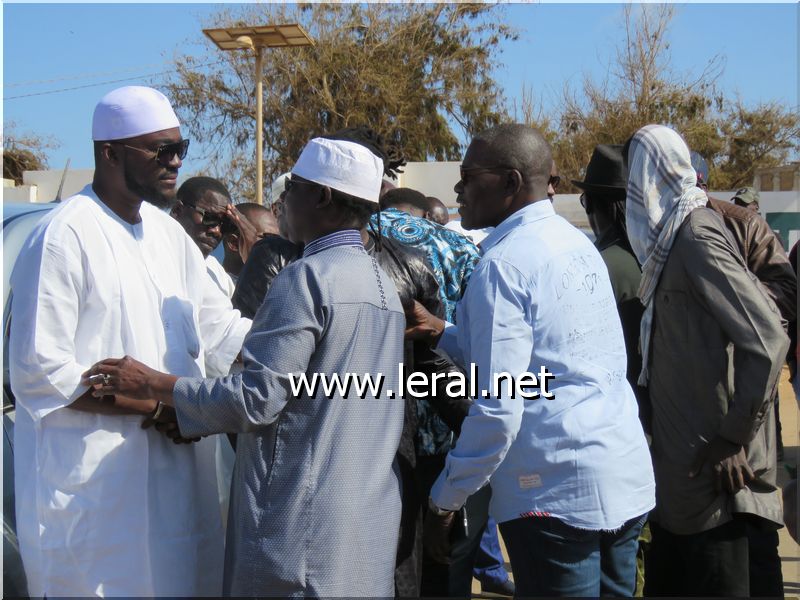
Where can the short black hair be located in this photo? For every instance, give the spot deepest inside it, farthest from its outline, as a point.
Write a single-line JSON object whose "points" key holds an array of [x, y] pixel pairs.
{"points": [[519, 147], [194, 187], [357, 210], [437, 210], [399, 196]]}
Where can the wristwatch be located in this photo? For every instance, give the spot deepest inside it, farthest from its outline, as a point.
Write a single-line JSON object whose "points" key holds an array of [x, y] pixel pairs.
{"points": [[439, 512]]}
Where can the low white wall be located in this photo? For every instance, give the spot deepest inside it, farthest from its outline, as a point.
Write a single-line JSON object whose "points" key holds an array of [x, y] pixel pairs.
{"points": [[47, 182], [22, 193]]}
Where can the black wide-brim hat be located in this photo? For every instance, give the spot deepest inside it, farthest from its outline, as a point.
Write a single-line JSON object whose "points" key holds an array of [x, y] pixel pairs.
{"points": [[605, 172]]}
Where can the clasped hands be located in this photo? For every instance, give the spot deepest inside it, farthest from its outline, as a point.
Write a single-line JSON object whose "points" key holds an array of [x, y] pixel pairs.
{"points": [[129, 384]]}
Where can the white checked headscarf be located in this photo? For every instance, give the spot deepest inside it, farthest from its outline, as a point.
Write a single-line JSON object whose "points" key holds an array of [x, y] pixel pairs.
{"points": [[662, 191]]}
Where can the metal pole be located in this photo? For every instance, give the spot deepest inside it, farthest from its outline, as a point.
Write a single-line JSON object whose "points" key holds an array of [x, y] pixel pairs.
{"points": [[259, 128], [61, 185]]}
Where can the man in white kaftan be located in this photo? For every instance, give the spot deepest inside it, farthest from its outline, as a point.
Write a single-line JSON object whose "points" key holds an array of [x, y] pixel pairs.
{"points": [[315, 500], [104, 507]]}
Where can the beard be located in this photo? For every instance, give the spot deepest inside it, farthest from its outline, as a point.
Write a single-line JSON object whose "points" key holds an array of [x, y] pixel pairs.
{"points": [[149, 193]]}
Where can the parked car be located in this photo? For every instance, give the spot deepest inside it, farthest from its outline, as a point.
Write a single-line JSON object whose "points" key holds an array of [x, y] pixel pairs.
{"points": [[18, 221]]}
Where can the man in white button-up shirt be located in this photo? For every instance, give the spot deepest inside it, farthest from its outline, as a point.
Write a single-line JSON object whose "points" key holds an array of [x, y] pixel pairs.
{"points": [[571, 476]]}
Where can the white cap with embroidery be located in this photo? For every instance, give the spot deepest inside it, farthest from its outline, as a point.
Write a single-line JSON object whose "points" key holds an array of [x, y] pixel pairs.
{"points": [[131, 111], [345, 166]]}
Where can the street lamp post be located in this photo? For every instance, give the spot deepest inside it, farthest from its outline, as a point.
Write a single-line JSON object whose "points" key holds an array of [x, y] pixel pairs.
{"points": [[257, 38]]}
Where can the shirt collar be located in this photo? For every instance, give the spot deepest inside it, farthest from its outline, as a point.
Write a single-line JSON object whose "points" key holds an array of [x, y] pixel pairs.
{"points": [[346, 237], [532, 212]]}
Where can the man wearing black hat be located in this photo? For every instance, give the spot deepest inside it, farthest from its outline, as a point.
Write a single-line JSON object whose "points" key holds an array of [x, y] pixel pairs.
{"points": [[603, 199]]}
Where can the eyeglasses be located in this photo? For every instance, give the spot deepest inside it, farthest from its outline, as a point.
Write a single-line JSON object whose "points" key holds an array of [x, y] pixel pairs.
{"points": [[466, 171], [165, 152], [289, 183], [211, 220], [554, 181]]}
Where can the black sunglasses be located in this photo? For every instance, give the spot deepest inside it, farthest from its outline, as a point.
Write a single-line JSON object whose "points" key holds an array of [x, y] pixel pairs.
{"points": [[555, 181], [165, 152], [210, 220], [465, 172]]}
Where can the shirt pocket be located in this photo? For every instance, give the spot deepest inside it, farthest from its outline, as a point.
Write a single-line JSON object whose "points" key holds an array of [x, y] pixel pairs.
{"points": [[180, 331], [272, 441]]}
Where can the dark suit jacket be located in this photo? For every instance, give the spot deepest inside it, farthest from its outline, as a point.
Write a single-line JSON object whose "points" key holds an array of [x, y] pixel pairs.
{"points": [[717, 349]]}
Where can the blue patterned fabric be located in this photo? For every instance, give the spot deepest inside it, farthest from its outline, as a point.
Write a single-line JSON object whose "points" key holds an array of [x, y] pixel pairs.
{"points": [[453, 257]]}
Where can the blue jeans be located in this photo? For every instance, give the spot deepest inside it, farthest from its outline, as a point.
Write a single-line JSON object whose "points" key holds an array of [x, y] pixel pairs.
{"points": [[489, 560], [550, 558]]}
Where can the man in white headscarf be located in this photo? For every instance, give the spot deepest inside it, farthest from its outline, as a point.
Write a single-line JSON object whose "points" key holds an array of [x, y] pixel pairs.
{"points": [[105, 507], [712, 349]]}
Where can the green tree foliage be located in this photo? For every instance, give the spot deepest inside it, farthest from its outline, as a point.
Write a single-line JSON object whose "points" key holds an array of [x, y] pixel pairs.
{"points": [[641, 88], [23, 153], [419, 74], [761, 136]]}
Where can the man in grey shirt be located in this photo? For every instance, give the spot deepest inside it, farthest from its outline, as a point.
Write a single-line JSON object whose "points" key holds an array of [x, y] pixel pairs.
{"points": [[315, 503]]}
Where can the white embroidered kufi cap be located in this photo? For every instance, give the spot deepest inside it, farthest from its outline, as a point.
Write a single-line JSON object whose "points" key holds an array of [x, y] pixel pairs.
{"points": [[345, 166], [131, 111]]}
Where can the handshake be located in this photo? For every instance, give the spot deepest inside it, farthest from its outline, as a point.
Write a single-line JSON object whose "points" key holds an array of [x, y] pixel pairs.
{"points": [[127, 385]]}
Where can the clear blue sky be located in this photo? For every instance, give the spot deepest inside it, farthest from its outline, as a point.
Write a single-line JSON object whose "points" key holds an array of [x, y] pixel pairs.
{"points": [[63, 44]]}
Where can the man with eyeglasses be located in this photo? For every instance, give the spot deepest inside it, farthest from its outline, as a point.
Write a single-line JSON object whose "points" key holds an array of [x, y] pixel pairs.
{"points": [[571, 476], [106, 504], [201, 209]]}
